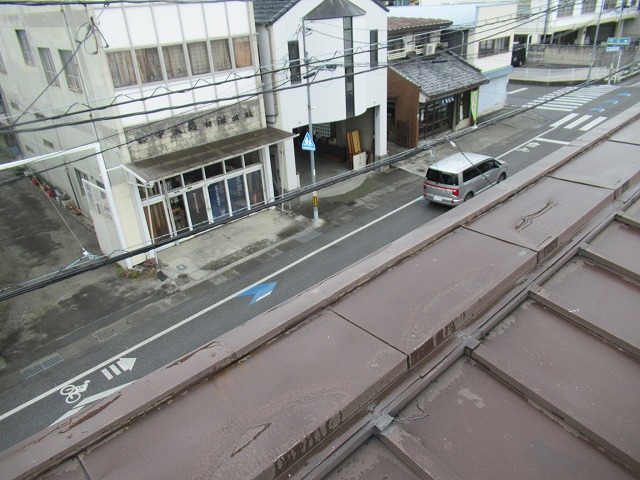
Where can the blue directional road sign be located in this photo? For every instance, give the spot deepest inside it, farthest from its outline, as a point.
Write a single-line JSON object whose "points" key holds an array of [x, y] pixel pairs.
{"points": [[258, 292], [307, 143]]}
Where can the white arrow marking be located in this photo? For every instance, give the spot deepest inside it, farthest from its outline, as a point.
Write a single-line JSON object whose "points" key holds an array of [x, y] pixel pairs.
{"points": [[126, 363]]}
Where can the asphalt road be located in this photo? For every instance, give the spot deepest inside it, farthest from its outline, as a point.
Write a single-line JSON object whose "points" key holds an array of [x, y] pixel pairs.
{"points": [[29, 406]]}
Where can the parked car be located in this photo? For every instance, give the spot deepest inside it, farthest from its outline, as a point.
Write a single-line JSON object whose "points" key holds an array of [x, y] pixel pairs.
{"points": [[461, 176], [518, 55]]}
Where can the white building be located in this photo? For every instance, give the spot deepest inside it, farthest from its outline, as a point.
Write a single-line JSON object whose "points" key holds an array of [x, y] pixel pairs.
{"points": [[170, 95], [482, 34], [576, 23], [347, 76]]}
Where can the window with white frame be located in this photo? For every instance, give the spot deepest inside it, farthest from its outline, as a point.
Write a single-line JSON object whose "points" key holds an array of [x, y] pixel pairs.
{"points": [[221, 55], [80, 175], [49, 67], [242, 52], [149, 65], [175, 62], [71, 70], [588, 6], [294, 61], [199, 58], [493, 46], [25, 47], [565, 8], [122, 71]]}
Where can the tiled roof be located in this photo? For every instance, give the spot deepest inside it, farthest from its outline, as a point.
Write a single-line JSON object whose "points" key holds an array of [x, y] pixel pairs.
{"points": [[268, 11], [439, 75], [407, 23]]}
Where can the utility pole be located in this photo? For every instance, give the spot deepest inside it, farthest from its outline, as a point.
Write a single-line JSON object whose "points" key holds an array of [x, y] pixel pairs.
{"points": [[595, 42], [311, 151]]}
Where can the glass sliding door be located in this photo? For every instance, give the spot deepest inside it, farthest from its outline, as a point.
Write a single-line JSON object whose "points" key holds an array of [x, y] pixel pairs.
{"points": [[237, 193], [256, 190], [218, 200], [157, 221], [197, 207]]}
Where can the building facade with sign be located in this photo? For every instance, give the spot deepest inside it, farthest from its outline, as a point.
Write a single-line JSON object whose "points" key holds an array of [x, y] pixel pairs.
{"points": [[170, 95], [346, 76], [429, 90]]}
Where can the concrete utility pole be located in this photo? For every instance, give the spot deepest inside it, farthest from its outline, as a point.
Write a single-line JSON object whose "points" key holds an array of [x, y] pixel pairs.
{"points": [[595, 42], [311, 152]]}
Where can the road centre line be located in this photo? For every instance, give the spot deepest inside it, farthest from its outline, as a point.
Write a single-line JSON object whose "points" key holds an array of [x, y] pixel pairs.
{"points": [[549, 140], [518, 91], [200, 313]]}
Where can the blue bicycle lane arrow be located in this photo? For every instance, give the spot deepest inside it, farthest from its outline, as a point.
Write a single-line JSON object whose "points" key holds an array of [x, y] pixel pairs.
{"points": [[258, 292]]}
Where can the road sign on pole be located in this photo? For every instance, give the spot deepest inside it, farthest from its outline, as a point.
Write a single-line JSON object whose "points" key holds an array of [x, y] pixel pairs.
{"points": [[307, 143]]}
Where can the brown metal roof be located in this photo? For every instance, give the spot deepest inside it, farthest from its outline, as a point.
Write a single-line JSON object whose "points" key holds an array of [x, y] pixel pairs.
{"points": [[499, 341]]}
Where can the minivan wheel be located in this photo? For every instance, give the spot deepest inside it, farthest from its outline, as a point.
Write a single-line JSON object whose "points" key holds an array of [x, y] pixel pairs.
{"points": [[469, 196], [502, 177]]}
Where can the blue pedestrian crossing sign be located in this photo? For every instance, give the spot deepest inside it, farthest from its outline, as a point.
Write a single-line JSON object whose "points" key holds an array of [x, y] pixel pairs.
{"points": [[307, 143]]}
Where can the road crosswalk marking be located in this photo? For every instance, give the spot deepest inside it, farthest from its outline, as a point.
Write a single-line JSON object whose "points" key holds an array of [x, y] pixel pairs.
{"points": [[577, 122], [567, 102], [593, 123]]}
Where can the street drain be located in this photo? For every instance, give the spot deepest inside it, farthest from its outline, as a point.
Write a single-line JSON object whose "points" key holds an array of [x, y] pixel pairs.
{"points": [[41, 365]]}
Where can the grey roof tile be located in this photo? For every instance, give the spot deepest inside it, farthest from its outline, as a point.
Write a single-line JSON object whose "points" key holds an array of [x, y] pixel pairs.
{"points": [[269, 11], [440, 74]]}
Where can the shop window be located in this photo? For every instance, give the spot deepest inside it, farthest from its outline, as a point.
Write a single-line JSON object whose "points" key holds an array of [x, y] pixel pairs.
{"points": [[71, 70], [25, 47], [214, 170], [175, 62], [252, 158], [121, 66], [256, 191], [157, 221], [199, 58], [152, 191], [197, 207], [179, 213], [221, 57], [149, 65], [233, 164], [193, 176], [49, 67], [237, 193], [218, 200], [174, 182], [242, 52]]}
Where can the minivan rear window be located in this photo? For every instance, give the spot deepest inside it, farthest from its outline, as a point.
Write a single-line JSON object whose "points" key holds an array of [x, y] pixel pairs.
{"points": [[437, 176]]}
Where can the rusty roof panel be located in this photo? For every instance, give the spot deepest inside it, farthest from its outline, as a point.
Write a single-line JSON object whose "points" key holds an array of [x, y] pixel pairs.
{"points": [[632, 214], [618, 247], [372, 460], [480, 428], [597, 298], [543, 216], [418, 304], [610, 165], [628, 134], [259, 416], [569, 370]]}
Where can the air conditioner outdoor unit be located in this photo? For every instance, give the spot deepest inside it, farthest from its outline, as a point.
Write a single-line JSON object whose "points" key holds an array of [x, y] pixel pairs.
{"points": [[430, 48]]}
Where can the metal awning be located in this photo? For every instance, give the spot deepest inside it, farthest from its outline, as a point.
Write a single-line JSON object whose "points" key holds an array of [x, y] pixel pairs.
{"points": [[164, 166]]}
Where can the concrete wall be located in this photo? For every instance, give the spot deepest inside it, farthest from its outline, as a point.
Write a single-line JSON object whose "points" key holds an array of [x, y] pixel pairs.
{"points": [[577, 55]]}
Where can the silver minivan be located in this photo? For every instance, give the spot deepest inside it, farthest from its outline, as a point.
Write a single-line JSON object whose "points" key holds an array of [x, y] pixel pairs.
{"points": [[459, 177]]}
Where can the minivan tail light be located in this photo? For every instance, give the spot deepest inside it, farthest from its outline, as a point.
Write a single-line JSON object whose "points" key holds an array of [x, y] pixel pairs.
{"points": [[455, 192]]}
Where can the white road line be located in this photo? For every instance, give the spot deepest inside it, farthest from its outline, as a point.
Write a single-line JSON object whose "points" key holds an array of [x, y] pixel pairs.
{"points": [[593, 123], [574, 124], [524, 143], [518, 91], [106, 373], [557, 109], [564, 120], [202, 312], [549, 140]]}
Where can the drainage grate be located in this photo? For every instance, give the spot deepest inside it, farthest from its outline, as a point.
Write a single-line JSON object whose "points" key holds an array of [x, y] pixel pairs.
{"points": [[41, 365], [310, 235]]}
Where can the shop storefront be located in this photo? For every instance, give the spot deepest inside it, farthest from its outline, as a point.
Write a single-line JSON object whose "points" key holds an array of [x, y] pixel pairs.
{"points": [[219, 186]]}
